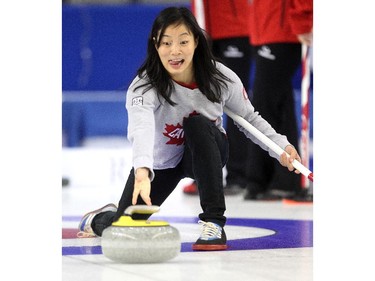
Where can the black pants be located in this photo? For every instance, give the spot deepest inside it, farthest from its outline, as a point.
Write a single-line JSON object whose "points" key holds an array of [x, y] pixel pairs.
{"points": [[273, 97], [236, 54], [206, 152]]}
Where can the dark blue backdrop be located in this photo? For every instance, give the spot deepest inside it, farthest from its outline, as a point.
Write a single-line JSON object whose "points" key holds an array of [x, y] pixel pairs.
{"points": [[102, 46]]}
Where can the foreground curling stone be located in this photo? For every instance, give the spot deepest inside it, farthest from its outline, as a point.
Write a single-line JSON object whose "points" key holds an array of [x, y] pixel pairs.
{"points": [[140, 241]]}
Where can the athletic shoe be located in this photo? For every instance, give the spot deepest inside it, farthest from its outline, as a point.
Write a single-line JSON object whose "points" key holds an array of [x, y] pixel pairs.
{"points": [[212, 238], [85, 230], [191, 189]]}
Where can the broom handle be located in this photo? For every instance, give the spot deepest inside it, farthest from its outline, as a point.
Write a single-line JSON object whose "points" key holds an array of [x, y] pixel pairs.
{"points": [[268, 142]]}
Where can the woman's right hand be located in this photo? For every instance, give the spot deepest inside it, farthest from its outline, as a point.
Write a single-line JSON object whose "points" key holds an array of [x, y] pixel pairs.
{"points": [[142, 186]]}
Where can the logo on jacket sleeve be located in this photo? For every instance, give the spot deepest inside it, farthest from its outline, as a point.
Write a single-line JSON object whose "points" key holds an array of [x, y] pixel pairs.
{"points": [[137, 101]]}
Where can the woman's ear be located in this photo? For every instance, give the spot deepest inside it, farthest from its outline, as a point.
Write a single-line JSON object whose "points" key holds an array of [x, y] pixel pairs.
{"points": [[155, 43]]}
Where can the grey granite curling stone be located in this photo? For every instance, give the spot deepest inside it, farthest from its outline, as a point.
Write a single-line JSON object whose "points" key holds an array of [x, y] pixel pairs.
{"points": [[140, 241]]}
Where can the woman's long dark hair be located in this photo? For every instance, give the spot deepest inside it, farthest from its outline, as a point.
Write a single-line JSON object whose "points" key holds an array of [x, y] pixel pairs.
{"points": [[209, 80]]}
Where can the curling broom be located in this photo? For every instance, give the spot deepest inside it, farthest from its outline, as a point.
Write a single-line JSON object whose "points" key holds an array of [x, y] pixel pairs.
{"points": [[268, 142]]}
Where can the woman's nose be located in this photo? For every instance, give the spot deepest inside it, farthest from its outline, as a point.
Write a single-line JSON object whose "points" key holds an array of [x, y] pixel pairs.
{"points": [[176, 49]]}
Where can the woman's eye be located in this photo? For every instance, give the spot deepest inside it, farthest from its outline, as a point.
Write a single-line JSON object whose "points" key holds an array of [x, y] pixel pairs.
{"points": [[166, 43], [184, 42]]}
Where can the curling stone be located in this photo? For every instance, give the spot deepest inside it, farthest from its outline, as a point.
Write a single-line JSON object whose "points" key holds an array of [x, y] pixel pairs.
{"points": [[140, 241]]}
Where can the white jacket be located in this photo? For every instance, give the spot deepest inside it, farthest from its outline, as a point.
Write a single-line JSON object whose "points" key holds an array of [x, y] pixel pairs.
{"points": [[155, 127]]}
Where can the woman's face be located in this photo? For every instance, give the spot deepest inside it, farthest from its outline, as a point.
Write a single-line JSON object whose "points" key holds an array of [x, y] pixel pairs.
{"points": [[176, 51]]}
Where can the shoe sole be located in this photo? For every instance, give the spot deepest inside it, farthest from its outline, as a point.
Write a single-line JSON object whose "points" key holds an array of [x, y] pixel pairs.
{"points": [[207, 247]]}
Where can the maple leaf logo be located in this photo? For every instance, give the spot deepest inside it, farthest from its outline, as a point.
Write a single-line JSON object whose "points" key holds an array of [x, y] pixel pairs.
{"points": [[175, 133]]}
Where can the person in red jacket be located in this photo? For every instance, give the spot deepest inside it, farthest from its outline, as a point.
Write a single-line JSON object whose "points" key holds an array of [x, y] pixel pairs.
{"points": [[226, 22], [277, 28]]}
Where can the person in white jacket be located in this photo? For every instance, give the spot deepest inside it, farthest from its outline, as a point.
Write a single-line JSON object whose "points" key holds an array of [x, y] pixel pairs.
{"points": [[175, 124]]}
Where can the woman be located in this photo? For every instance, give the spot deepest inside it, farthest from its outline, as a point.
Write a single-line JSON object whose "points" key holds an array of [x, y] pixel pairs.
{"points": [[175, 107]]}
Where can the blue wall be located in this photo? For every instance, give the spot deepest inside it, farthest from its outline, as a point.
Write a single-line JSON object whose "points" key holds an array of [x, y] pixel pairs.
{"points": [[102, 46]]}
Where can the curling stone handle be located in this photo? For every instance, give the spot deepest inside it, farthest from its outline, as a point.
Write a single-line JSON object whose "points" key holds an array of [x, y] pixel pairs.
{"points": [[141, 209]]}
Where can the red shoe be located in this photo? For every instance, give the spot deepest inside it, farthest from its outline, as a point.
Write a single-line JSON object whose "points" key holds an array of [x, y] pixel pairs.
{"points": [[191, 189]]}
